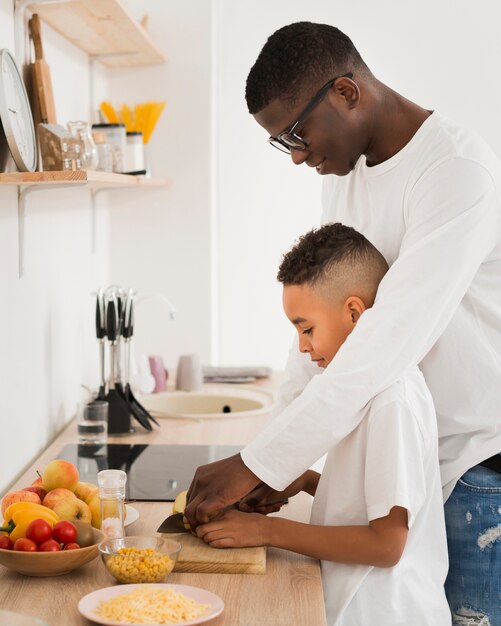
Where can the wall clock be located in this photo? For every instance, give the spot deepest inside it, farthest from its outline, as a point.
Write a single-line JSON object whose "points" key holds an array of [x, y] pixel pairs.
{"points": [[15, 114]]}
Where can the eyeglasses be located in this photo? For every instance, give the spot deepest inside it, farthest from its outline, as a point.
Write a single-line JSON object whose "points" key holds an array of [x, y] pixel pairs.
{"points": [[288, 140]]}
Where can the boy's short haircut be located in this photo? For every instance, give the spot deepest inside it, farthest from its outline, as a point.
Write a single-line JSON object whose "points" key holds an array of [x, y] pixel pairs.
{"points": [[334, 252], [297, 60]]}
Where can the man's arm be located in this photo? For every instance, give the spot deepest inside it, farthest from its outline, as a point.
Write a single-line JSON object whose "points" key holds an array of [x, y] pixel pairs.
{"points": [[449, 234]]}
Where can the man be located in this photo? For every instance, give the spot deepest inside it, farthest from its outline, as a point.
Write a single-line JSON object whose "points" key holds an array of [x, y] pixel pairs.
{"points": [[427, 194]]}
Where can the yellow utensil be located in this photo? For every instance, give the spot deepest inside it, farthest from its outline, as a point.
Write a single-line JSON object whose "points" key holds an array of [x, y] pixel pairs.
{"points": [[109, 112]]}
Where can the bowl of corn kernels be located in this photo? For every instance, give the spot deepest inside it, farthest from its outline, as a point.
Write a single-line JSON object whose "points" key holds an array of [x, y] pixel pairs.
{"points": [[139, 559]]}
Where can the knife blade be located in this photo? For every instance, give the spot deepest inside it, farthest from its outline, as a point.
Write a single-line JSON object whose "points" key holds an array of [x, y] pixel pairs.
{"points": [[174, 523]]}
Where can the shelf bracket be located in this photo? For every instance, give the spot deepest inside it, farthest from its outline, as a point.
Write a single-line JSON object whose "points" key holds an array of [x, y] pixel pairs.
{"points": [[23, 191], [93, 194]]}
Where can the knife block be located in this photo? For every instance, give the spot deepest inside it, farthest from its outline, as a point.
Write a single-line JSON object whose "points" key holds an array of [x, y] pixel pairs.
{"points": [[119, 422]]}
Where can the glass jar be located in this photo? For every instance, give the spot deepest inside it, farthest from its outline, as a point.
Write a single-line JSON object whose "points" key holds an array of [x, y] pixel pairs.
{"points": [[89, 156], [112, 495], [116, 137], [104, 152], [134, 154]]}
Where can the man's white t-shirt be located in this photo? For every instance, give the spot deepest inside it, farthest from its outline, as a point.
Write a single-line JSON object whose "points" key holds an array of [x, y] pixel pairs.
{"points": [[434, 212], [390, 459]]}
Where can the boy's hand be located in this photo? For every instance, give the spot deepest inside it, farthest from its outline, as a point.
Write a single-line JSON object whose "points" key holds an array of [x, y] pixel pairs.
{"points": [[234, 529]]}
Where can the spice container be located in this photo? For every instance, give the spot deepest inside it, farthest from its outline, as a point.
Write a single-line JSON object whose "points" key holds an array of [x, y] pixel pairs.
{"points": [[112, 495], [116, 137], [134, 154], [104, 152]]}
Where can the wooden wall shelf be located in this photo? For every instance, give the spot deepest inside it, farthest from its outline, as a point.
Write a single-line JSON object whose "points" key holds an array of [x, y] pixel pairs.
{"points": [[103, 29], [93, 179]]}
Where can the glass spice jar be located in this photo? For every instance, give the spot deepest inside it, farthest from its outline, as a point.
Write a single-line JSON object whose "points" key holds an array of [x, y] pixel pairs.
{"points": [[112, 495]]}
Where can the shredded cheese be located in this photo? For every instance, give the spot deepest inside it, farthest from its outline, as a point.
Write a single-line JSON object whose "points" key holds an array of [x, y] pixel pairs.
{"points": [[152, 605]]}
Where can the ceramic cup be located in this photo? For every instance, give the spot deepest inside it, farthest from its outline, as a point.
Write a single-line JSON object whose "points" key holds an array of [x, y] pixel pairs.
{"points": [[189, 375], [158, 372]]}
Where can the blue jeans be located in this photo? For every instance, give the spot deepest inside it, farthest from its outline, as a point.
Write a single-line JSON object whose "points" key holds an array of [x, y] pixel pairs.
{"points": [[473, 520]]}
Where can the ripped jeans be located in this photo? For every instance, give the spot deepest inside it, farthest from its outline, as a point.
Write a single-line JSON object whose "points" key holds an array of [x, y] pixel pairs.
{"points": [[473, 520]]}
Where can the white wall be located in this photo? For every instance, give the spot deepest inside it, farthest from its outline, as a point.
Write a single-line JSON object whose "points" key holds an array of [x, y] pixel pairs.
{"points": [[47, 349], [164, 245], [443, 55]]}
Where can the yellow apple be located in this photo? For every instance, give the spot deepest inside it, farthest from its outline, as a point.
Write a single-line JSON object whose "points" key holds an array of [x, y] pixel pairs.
{"points": [[72, 509], [86, 491], [180, 502], [57, 495], [94, 505], [19, 496], [60, 473]]}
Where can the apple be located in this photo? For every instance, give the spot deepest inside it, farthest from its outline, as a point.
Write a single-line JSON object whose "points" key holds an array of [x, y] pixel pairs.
{"points": [[40, 491], [86, 491], [94, 505], [19, 496], [37, 482], [57, 495], [71, 509], [60, 473], [180, 502]]}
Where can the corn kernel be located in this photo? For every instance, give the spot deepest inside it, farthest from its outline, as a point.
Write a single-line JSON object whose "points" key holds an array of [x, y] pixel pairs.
{"points": [[133, 565]]}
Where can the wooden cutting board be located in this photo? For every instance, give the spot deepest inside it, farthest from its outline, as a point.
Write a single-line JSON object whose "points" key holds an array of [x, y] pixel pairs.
{"points": [[197, 556], [42, 83]]}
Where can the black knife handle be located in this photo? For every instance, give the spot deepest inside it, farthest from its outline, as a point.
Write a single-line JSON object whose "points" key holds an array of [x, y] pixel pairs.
{"points": [[100, 327], [111, 319]]}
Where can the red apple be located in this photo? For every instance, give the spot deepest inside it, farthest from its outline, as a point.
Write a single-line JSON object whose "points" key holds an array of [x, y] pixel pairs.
{"points": [[40, 491], [60, 473], [57, 495], [19, 496]]}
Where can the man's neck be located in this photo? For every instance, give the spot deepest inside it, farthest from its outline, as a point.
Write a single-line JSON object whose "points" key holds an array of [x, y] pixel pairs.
{"points": [[394, 123]]}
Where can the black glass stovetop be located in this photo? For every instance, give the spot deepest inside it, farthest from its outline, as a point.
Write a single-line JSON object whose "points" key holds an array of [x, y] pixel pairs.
{"points": [[154, 472]]}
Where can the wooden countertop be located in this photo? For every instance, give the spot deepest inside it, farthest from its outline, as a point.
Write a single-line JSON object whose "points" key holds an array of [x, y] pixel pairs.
{"points": [[289, 594]]}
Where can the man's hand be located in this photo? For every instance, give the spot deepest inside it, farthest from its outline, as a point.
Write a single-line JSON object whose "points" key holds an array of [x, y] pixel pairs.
{"points": [[216, 486], [234, 529], [264, 499]]}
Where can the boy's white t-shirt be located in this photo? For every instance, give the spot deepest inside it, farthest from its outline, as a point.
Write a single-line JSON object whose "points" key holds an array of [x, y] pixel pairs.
{"points": [[390, 459]]}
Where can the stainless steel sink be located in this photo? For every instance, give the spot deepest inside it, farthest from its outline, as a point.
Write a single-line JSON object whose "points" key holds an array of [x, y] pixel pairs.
{"points": [[211, 402]]}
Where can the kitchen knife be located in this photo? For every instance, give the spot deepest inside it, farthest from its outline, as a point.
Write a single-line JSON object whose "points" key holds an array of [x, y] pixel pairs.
{"points": [[174, 523]]}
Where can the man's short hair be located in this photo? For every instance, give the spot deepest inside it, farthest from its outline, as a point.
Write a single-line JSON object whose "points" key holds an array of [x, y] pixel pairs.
{"points": [[297, 60], [335, 253]]}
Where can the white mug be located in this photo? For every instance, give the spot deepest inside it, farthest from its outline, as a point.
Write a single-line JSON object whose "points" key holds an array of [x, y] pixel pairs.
{"points": [[189, 375]]}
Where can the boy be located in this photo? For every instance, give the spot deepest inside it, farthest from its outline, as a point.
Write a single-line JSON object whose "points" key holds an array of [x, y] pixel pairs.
{"points": [[377, 521]]}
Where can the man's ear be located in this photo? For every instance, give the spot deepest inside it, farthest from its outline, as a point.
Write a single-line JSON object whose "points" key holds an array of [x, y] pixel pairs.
{"points": [[346, 89], [354, 308]]}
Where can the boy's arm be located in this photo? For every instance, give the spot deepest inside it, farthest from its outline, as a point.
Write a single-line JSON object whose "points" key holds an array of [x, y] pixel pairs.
{"points": [[380, 544]]}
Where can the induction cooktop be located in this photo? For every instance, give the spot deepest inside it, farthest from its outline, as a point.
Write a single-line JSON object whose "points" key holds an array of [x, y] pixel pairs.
{"points": [[155, 473]]}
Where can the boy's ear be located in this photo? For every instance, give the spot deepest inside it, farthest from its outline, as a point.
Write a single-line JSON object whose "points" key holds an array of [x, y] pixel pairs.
{"points": [[354, 307]]}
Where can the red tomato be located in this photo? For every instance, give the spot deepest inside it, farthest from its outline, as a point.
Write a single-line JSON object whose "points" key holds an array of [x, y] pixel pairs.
{"points": [[25, 545], [39, 531], [72, 546], [49, 546], [6, 542], [64, 532]]}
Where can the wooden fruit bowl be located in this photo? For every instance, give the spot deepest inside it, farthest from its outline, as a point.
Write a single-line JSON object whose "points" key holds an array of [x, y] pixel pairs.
{"points": [[50, 563]]}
